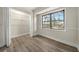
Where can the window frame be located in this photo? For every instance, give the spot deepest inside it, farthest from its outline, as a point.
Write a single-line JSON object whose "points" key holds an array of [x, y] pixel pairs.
{"points": [[56, 11]]}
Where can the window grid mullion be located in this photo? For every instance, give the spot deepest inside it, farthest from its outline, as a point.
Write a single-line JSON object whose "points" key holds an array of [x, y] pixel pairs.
{"points": [[50, 21]]}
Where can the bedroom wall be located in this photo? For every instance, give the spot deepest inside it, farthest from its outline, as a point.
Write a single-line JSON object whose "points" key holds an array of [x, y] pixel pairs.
{"points": [[78, 25], [1, 28], [35, 20], [20, 23], [67, 36], [4, 16]]}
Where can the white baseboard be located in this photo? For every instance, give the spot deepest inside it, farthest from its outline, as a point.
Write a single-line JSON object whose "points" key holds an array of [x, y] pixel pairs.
{"points": [[19, 35]]}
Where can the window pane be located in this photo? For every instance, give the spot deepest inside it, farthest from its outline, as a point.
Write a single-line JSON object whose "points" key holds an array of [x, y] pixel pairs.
{"points": [[56, 16], [46, 21], [61, 15], [59, 25], [52, 18], [58, 20]]}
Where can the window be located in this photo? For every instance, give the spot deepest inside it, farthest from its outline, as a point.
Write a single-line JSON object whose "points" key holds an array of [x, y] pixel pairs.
{"points": [[46, 21], [54, 20]]}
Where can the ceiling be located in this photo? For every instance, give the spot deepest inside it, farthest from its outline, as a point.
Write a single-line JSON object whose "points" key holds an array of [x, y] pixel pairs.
{"points": [[25, 9]]}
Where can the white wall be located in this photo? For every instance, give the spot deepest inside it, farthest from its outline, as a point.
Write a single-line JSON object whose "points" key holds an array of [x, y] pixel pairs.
{"points": [[20, 24], [3, 26], [78, 25], [35, 20], [69, 35]]}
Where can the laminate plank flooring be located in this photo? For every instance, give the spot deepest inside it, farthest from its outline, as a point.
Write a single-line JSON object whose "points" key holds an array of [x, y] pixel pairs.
{"points": [[37, 44]]}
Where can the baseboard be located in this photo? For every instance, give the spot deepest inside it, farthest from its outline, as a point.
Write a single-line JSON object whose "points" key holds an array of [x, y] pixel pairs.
{"points": [[19, 35]]}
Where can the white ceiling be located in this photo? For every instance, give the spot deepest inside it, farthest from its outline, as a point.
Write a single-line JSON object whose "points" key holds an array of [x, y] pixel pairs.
{"points": [[25, 9], [31, 8]]}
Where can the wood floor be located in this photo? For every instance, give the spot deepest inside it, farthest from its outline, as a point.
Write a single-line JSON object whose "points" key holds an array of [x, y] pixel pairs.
{"points": [[36, 44]]}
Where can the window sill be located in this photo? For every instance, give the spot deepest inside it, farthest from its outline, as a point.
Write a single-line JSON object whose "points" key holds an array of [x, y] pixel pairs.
{"points": [[55, 29]]}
